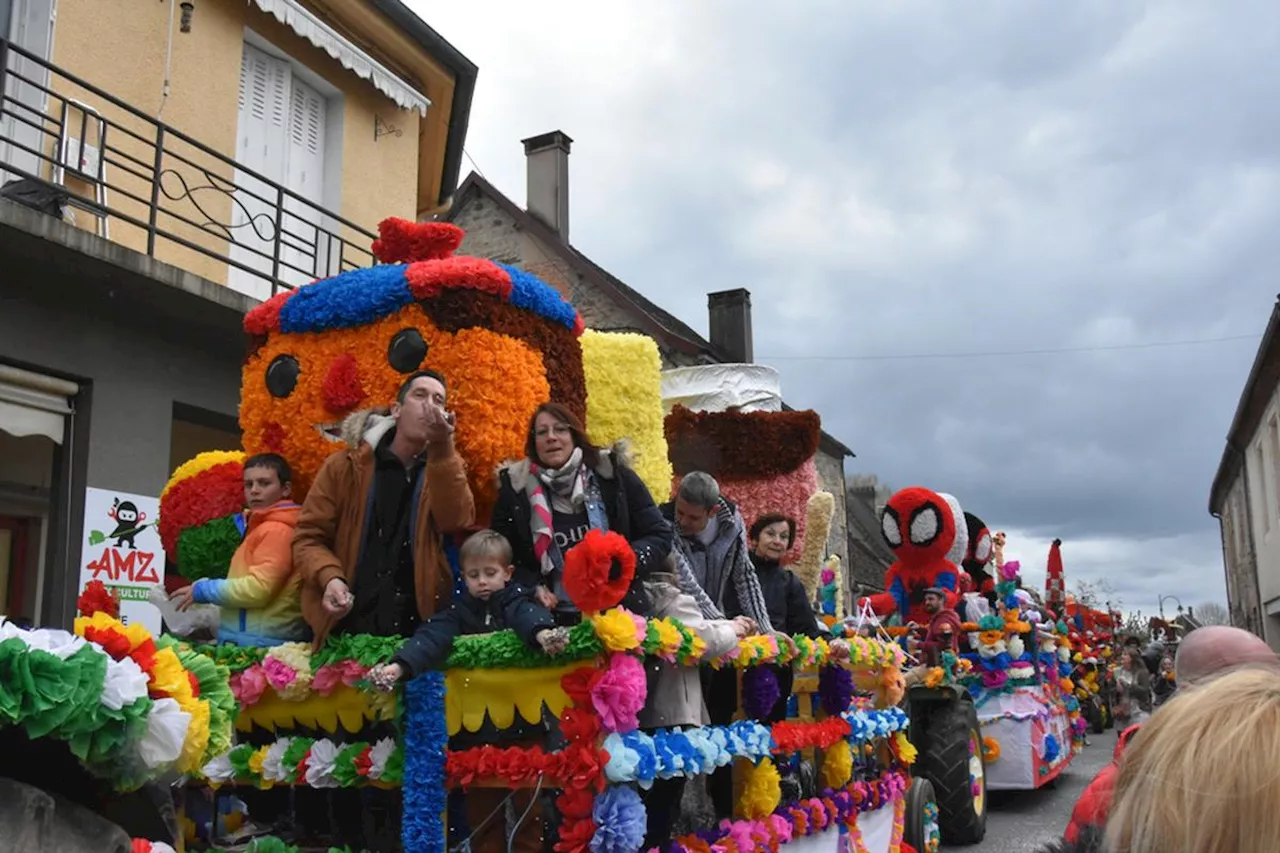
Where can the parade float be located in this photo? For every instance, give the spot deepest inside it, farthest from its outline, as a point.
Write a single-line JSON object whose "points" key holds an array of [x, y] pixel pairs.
{"points": [[998, 712], [1019, 666], [228, 718]]}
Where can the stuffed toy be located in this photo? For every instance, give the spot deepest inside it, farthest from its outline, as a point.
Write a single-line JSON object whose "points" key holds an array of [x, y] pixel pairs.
{"points": [[978, 556], [920, 526]]}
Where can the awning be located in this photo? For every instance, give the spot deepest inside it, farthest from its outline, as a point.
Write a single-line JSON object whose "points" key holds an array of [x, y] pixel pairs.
{"points": [[320, 34], [34, 404]]}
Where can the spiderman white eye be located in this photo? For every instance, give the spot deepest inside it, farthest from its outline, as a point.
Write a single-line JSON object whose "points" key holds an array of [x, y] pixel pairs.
{"points": [[889, 526], [925, 524], [983, 551]]}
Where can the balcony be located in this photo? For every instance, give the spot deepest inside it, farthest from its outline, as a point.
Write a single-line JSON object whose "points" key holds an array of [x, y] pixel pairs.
{"points": [[140, 182]]}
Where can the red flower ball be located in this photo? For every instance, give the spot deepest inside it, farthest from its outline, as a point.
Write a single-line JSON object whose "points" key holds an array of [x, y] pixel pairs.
{"points": [[96, 598], [599, 570]]}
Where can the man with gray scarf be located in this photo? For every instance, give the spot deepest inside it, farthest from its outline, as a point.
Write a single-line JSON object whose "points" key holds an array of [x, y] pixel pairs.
{"points": [[711, 552]]}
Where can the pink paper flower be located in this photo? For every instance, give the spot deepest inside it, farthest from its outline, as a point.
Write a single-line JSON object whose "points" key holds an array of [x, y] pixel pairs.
{"points": [[279, 674], [248, 685], [620, 694], [781, 827], [327, 678], [642, 627]]}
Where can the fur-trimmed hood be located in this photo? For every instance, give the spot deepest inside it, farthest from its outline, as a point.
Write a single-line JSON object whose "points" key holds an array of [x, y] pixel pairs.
{"points": [[367, 425], [617, 455]]}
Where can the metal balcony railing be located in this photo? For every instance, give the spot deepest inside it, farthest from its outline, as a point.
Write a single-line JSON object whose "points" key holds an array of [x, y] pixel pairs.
{"points": [[161, 191]]}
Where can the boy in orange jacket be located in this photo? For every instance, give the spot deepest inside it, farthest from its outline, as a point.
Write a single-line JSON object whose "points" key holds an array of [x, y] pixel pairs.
{"points": [[259, 598]]}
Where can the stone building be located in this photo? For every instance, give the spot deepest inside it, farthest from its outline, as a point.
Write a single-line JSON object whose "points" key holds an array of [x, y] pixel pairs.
{"points": [[536, 239], [1245, 495], [869, 555]]}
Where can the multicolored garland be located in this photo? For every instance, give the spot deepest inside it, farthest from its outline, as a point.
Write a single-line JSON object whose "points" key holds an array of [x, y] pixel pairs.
{"points": [[315, 763]]}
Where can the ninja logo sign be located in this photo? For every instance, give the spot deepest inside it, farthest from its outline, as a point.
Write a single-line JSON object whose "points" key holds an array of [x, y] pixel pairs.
{"points": [[121, 560]]}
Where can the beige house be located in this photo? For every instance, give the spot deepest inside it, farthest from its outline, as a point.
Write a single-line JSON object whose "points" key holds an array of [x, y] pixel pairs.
{"points": [[165, 166], [251, 142], [1245, 496], [536, 239]]}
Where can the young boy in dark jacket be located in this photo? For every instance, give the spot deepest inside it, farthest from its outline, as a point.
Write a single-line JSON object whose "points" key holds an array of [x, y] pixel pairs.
{"points": [[489, 603]]}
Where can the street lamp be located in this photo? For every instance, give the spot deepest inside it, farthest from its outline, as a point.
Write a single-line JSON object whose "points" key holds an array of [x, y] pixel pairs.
{"points": [[1161, 604]]}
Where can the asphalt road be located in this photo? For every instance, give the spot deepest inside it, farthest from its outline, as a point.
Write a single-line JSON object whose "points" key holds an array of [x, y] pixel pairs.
{"points": [[1020, 821]]}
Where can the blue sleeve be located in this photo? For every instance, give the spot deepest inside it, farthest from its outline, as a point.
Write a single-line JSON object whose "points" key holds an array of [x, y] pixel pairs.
{"points": [[208, 591], [430, 645], [947, 580], [527, 618]]}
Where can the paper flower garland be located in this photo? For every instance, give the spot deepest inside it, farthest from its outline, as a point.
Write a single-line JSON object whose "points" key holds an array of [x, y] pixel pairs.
{"points": [[623, 371]]}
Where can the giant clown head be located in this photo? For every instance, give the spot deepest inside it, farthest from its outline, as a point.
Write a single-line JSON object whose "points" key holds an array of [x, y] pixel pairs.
{"points": [[504, 341]]}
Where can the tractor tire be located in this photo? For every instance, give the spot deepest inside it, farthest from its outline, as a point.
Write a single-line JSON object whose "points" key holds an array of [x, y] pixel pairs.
{"points": [[920, 821], [948, 742], [33, 821]]}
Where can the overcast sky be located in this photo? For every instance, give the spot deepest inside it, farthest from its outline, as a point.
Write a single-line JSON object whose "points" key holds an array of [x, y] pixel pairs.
{"points": [[905, 178]]}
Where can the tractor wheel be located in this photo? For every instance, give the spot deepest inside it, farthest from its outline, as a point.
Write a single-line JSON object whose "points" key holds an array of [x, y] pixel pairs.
{"points": [[948, 741], [920, 828]]}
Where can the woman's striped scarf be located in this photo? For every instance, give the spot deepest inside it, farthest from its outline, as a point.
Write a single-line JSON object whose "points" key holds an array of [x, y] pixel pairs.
{"points": [[567, 482]]}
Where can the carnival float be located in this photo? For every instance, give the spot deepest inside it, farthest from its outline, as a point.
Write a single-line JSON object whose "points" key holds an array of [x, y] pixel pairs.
{"points": [[133, 709], [998, 710]]}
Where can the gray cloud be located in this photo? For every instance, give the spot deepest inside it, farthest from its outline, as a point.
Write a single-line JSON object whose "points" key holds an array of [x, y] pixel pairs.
{"points": [[905, 178]]}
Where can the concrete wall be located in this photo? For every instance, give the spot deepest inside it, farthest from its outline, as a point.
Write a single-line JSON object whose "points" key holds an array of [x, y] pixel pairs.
{"points": [[123, 53], [138, 336], [1240, 560]]}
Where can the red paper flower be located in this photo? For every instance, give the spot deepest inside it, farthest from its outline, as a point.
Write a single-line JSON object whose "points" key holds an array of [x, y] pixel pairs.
{"points": [[96, 598], [578, 725], [341, 389], [112, 641], [364, 761], [575, 803], [599, 570], [575, 836], [401, 241], [578, 684], [265, 318], [431, 278]]}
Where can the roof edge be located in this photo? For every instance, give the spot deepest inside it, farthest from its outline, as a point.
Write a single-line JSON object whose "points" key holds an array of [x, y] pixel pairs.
{"points": [[1268, 353], [464, 86]]}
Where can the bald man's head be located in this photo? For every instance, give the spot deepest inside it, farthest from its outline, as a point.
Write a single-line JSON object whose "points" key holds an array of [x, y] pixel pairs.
{"points": [[1210, 651]]}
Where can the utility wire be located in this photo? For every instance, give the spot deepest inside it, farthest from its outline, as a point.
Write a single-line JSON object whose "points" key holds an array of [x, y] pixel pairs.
{"points": [[1003, 353], [952, 355]]}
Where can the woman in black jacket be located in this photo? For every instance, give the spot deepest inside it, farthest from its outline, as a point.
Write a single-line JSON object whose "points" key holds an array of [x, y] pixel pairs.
{"points": [[564, 487]]}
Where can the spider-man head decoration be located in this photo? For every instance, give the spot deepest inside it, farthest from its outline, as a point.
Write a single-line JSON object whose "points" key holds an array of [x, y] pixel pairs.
{"points": [[918, 525], [977, 559]]}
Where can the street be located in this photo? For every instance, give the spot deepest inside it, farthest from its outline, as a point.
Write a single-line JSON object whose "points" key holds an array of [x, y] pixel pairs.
{"points": [[1020, 821]]}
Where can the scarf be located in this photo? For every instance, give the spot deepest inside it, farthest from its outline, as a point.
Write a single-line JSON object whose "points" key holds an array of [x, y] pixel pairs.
{"points": [[567, 482], [745, 581]]}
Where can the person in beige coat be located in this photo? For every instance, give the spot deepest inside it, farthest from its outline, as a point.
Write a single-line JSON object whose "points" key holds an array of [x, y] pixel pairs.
{"points": [[675, 692]]}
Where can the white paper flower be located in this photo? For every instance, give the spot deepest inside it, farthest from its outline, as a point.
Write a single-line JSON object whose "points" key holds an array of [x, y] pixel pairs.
{"points": [[379, 756], [167, 726], [272, 768], [324, 757], [219, 769], [124, 684]]}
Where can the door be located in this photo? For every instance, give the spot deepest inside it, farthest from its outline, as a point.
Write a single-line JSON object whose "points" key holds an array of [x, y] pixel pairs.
{"points": [[29, 25], [304, 163], [280, 135], [13, 565]]}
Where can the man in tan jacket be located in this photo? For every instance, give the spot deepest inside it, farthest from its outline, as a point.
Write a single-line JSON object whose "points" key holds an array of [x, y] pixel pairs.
{"points": [[368, 542]]}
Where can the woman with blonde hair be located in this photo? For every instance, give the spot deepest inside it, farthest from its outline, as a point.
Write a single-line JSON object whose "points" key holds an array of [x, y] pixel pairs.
{"points": [[1203, 775]]}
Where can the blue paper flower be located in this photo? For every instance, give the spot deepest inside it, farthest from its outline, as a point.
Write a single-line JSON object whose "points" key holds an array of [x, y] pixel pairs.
{"points": [[1051, 749], [620, 821], [425, 739], [355, 298], [533, 294]]}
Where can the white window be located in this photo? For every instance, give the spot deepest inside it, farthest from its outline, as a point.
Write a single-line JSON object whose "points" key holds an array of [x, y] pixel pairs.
{"points": [[29, 25], [1260, 488], [281, 135]]}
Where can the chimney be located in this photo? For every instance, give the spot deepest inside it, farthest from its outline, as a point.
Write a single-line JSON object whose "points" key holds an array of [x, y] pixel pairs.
{"points": [[547, 157], [731, 324]]}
